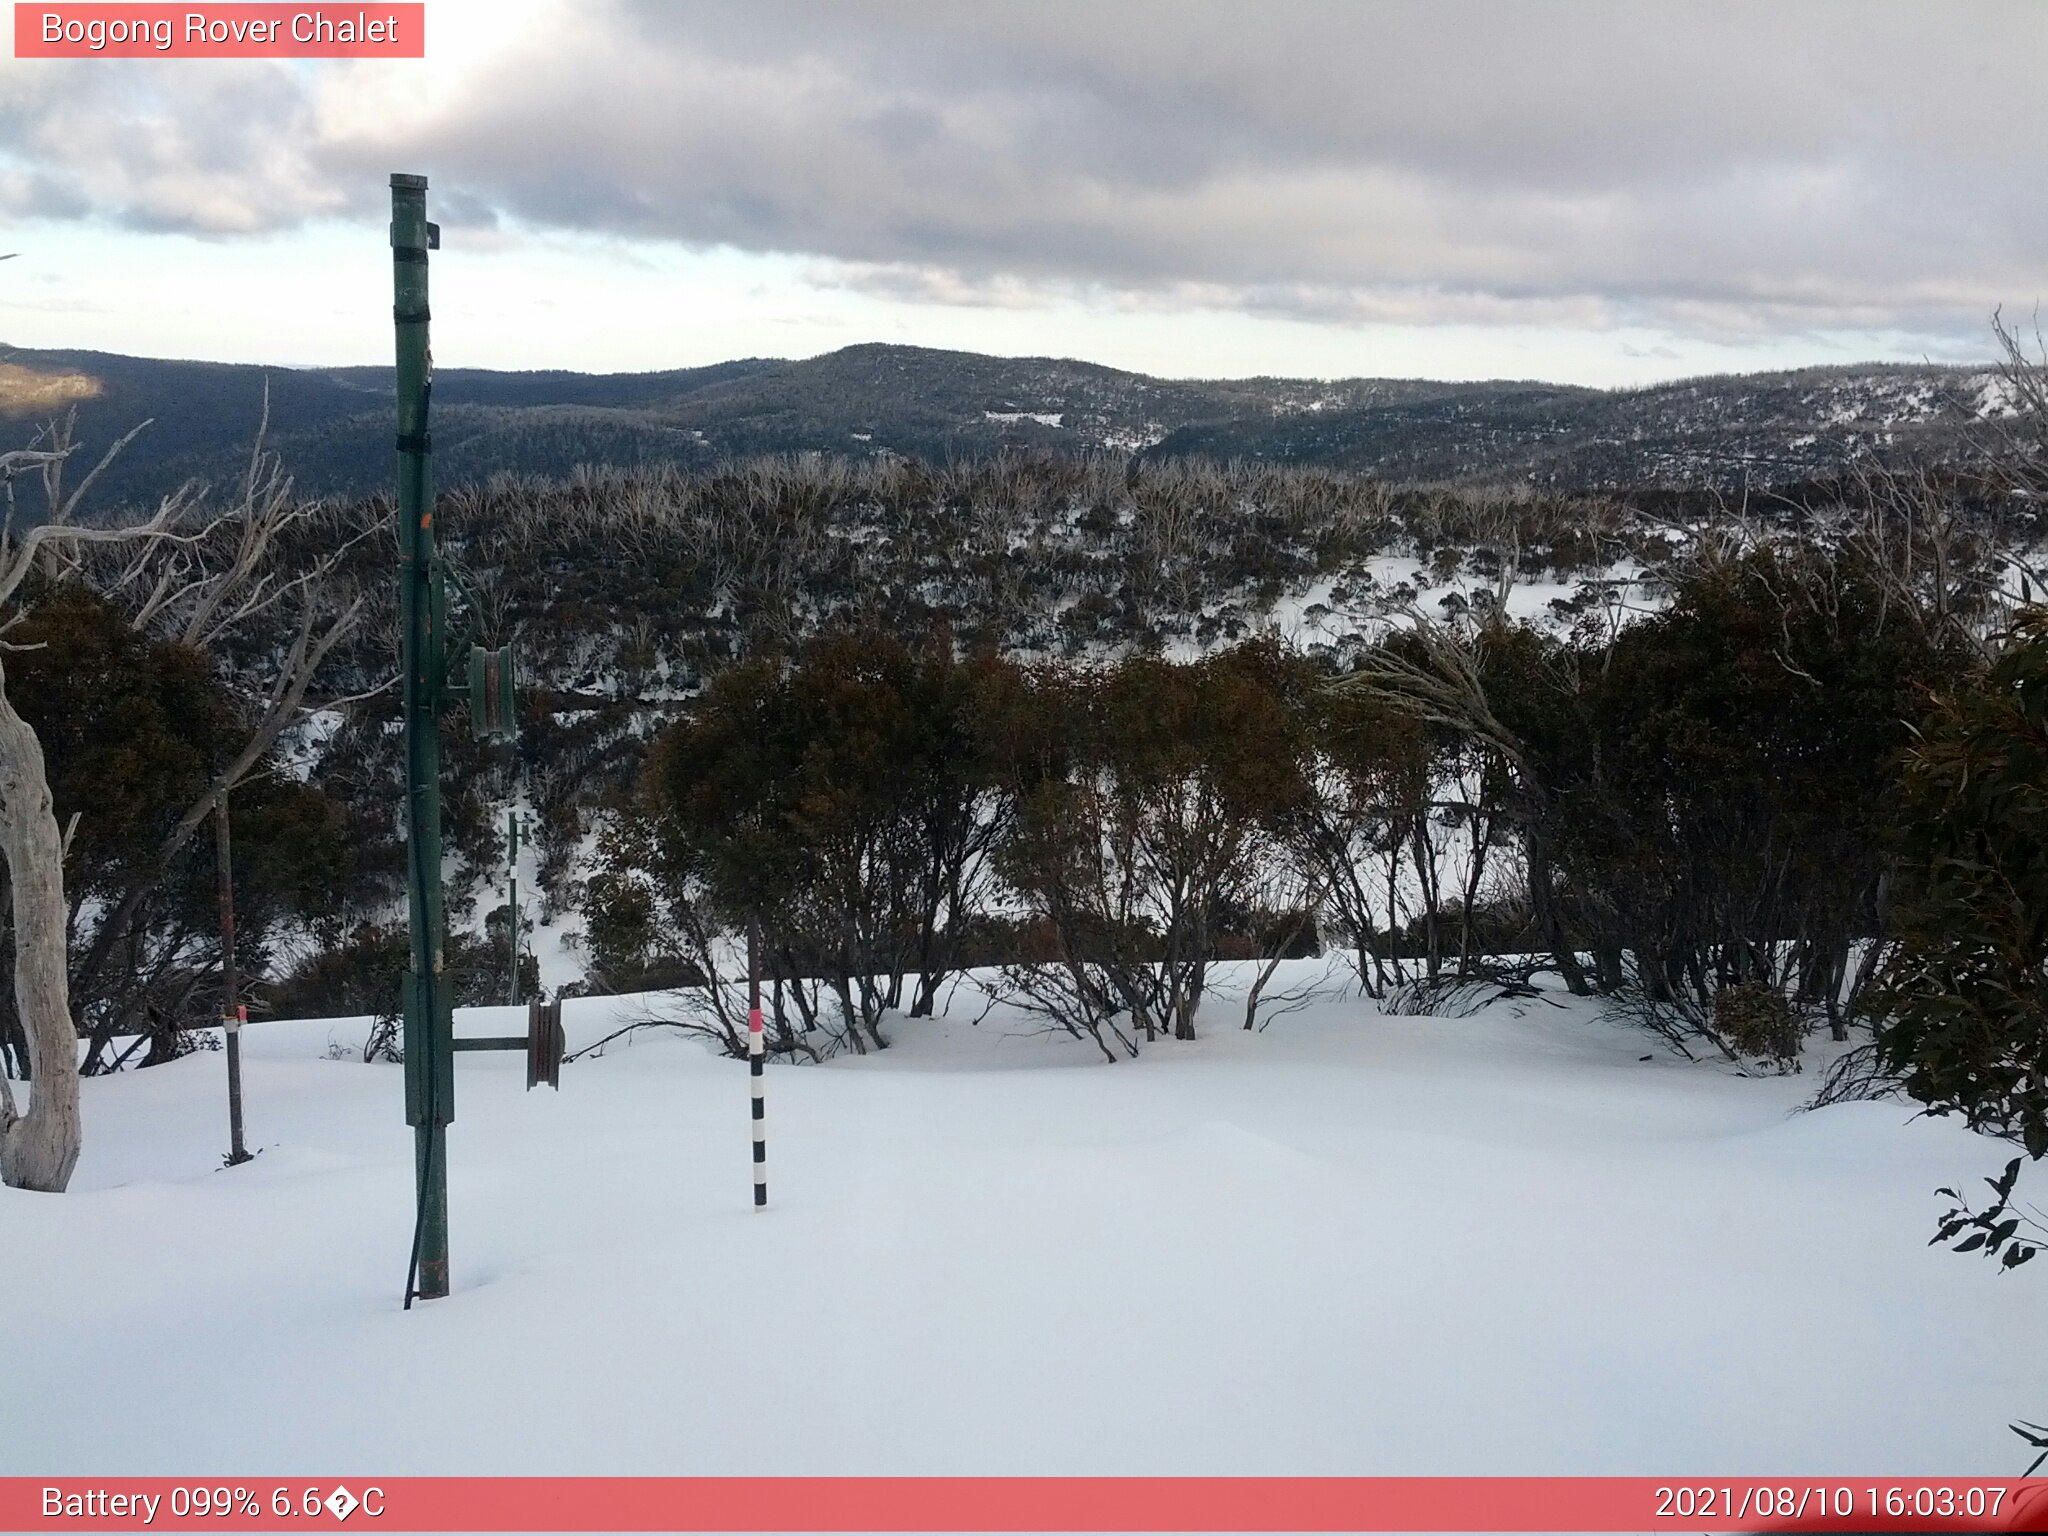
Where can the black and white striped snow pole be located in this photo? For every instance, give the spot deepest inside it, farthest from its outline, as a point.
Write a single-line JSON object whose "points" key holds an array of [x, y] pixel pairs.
{"points": [[756, 1061]]}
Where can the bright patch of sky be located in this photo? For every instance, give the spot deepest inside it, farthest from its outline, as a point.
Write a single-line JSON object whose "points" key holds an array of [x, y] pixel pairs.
{"points": [[322, 295]]}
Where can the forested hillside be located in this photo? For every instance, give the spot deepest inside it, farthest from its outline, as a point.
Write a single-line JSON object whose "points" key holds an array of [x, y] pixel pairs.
{"points": [[873, 402]]}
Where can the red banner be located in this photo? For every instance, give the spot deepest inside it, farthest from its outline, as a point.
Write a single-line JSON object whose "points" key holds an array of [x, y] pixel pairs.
{"points": [[1025, 1504], [221, 31]]}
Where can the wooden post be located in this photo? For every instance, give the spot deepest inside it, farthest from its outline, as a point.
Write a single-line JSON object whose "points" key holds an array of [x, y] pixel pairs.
{"points": [[231, 1013]]}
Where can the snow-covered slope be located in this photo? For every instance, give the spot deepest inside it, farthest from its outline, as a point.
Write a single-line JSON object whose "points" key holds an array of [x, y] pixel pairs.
{"points": [[1350, 1244]]}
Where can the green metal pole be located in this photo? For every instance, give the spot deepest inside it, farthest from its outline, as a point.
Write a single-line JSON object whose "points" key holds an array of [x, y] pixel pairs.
{"points": [[429, 1018]]}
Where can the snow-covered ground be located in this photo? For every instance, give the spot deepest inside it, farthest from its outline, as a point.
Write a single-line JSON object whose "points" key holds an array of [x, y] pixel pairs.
{"points": [[1349, 1244]]}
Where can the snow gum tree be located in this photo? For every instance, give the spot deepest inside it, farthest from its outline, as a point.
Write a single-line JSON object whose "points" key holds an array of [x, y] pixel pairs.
{"points": [[1147, 796], [39, 1146], [838, 803], [132, 729], [187, 580], [1964, 1007]]}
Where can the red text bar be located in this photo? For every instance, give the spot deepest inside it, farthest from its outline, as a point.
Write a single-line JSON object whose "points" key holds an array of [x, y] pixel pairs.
{"points": [[1024, 1504], [221, 31]]}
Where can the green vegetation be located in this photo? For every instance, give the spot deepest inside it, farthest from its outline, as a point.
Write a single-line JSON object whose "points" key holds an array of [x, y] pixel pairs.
{"points": [[1964, 1009]]}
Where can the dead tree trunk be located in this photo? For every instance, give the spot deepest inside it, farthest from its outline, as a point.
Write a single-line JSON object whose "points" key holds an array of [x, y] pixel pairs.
{"points": [[39, 1149]]}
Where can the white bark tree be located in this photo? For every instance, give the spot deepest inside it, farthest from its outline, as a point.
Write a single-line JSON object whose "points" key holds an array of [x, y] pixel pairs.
{"points": [[185, 576], [39, 1146]]}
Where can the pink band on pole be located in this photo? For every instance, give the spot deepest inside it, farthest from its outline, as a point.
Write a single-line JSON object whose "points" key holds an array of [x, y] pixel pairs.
{"points": [[754, 1019]]}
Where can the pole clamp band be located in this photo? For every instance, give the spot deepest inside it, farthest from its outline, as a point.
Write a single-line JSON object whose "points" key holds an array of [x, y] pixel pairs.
{"points": [[410, 253], [418, 316], [421, 442]]}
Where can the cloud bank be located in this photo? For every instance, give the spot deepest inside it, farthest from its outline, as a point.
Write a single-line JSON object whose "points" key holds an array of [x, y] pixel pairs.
{"points": [[1726, 171]]}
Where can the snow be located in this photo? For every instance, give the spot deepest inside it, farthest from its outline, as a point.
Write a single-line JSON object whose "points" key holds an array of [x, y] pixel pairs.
{"points": [[1133, 439], [1348, 1244], [1393, 584], [302, 744], [1011, 418], [1995, 396], [1292, 620], [554, 944]]}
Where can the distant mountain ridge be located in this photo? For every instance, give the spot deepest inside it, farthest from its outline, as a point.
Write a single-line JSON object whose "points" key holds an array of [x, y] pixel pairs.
{"points": [[333, 425]]}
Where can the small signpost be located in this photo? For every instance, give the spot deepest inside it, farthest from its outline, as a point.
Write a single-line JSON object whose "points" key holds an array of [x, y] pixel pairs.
{"points": [[543, 1042]]}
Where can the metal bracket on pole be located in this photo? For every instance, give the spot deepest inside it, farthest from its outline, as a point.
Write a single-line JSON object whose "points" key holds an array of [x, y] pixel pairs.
{"points": [[545, 1044]]}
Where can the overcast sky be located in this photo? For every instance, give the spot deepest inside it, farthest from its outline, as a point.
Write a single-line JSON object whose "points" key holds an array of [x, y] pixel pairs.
{"points": [[1602, 193]]}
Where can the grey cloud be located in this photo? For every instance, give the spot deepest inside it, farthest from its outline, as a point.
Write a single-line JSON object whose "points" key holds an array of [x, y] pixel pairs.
{"points": [[202, 147], [1725, 169]]}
